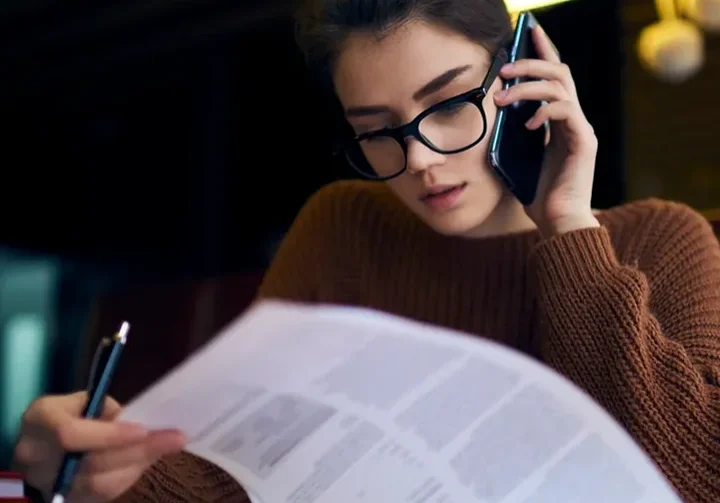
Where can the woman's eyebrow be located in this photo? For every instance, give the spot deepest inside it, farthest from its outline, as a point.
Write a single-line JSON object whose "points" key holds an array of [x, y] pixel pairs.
{"points": [[440, 82]]}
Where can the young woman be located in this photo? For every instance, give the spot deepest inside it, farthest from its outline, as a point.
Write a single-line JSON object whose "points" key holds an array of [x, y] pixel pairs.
{"points": [[624, 302]]}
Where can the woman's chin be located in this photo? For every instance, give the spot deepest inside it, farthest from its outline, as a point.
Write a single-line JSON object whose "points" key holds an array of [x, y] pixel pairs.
{"points": [[461, 223], [501, 217]]}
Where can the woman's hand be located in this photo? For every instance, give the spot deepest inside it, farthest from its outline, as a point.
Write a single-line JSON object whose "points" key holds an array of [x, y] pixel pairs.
{"points": [[563, 201], [118, 453]]}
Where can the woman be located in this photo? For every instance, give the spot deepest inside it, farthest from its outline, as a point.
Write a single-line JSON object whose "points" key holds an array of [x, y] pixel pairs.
{"points": [[624, 302]]}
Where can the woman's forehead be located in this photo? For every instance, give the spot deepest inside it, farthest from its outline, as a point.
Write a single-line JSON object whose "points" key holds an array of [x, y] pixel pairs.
{"points": [[383, 69]]}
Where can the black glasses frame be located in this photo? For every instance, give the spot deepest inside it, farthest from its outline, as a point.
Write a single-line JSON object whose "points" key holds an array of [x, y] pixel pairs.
{"points": [[412, 128]]}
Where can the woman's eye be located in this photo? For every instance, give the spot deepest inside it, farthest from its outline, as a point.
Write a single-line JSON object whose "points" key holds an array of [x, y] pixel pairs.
{"points": [[377, 129], [369, 129], [452, 109]]}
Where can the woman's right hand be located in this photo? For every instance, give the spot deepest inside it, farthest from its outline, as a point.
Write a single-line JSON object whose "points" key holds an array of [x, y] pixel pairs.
{"points": [[117, 452]]}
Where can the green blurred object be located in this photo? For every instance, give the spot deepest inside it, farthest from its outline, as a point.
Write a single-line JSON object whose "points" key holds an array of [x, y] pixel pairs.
{"points": [[27, 320]]}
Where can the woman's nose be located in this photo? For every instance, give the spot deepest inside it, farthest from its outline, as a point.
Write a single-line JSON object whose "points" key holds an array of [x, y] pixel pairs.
{"points": [[421, 157]]}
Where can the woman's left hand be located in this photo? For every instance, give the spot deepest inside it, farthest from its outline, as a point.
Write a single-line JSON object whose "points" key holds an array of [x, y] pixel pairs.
{"points": [[562, 203]]}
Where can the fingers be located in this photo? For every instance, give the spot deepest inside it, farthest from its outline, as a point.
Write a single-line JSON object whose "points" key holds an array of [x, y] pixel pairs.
{"points": [[542, 70], [76, 434], [89, 435], [117, 452], [105, 486], [569, 113], [107, 474], [554, 85], [73, 433], [48, 410], [74, 403], [156, 445], [78, 400], [539, 90], [111, 409], [560, 111]]}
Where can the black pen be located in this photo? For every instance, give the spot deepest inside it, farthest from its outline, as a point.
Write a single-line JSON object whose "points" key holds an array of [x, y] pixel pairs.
{"points": [[103, 366]]}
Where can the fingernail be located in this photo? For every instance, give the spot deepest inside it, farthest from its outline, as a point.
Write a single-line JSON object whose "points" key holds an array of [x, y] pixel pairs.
{"points": [[506, 67], [501, 94], [169, 431], [168, 440]]}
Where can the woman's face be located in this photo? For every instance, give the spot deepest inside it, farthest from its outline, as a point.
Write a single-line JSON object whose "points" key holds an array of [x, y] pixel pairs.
{"points": [[387, 82]]}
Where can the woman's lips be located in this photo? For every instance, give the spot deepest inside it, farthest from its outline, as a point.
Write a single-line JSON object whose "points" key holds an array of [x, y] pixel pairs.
{"points": [[442, 197]]}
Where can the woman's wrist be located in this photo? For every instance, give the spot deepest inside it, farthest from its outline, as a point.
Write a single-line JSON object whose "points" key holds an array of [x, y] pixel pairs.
{"points": [[569, 224]]}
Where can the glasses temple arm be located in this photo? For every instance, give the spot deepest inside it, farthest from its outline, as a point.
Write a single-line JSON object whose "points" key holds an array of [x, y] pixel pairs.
{"points": [[498, 62]]}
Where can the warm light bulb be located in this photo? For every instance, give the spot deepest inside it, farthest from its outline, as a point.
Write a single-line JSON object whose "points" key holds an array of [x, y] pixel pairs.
{"points": [[706, 13], [671, 49]]}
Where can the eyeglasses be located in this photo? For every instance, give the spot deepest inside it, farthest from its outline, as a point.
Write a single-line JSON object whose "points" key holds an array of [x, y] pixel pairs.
{"points": [[449, 127]]}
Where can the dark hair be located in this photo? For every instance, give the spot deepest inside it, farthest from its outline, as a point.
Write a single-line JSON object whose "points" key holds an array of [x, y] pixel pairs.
{"points": [[324, 25]]}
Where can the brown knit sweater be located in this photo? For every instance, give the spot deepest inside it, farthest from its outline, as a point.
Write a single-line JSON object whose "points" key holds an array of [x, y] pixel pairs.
{"points": [[629, 311]]}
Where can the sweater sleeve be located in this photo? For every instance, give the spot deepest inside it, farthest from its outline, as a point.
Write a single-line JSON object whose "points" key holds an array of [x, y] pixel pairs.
{"points": [[185, 478], [642, 335], [302, 271]]}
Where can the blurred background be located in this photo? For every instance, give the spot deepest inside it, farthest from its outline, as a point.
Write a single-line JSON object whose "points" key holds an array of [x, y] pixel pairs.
{"points": [[154, 153]]}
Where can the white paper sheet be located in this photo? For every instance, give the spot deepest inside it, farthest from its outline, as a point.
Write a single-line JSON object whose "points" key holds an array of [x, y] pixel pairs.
{"points": [[327, 404]]}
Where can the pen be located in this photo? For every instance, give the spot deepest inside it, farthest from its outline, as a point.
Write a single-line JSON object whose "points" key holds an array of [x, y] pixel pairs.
{"points": [[102, 368]]}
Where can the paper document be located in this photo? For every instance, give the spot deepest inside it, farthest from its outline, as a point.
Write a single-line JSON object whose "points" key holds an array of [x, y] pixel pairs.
{"points": [[319, 404]]}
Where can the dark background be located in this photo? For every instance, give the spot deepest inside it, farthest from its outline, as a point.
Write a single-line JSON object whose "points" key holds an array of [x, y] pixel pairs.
{"points": [[180, 136], [671, 131]]}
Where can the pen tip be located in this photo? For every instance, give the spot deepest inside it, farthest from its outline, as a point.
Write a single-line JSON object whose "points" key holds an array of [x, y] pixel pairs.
{"points": [[58, 498], [124, 329]]}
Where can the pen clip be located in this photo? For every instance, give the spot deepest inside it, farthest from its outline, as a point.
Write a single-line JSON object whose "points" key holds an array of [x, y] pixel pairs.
{"points": [[105, 342]]}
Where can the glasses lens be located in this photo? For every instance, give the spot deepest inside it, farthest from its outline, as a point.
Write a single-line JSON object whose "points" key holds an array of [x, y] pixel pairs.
{"points": [[453, 127], [377, 157]]}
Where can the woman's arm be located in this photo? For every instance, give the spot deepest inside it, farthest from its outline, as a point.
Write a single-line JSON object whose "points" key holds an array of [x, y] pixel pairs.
{"points": [[643, 339], [185, 478]]}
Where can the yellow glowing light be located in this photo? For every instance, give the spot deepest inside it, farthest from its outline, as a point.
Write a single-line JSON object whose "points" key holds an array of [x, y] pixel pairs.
{"points": [[520, 5]]}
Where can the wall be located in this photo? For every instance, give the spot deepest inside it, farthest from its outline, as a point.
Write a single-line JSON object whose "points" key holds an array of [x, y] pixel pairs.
{"points": [[672, 132]]}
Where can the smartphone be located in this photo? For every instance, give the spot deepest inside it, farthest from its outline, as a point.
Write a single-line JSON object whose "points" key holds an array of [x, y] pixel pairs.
{"points": [[515, 152]]}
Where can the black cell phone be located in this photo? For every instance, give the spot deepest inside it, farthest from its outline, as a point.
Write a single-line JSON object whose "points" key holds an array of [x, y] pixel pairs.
{"points": [[515, 152]]}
